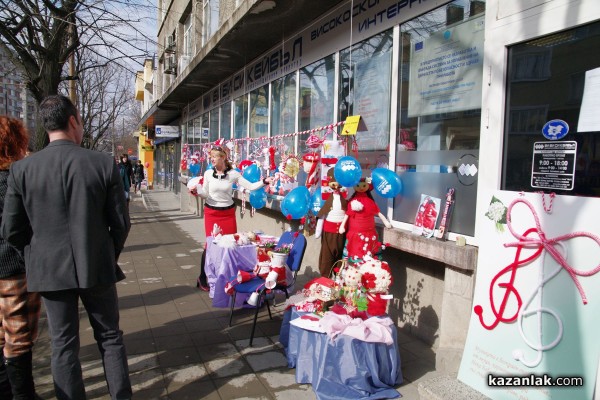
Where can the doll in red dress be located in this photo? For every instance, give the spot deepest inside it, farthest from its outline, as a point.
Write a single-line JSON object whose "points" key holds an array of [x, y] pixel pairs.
{"points": [[361, 236]]}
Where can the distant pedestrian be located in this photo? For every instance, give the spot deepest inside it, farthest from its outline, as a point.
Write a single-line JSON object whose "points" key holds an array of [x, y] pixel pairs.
{"points": [[126, 172], [66, 205], [19, 309], [138, 174]]}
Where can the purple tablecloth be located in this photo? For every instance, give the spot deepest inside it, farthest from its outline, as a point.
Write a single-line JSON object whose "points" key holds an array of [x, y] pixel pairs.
{"points": [[221, 265], [346, 368]]}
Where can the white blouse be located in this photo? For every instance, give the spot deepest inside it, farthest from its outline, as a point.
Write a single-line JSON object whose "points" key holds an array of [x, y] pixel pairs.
{"points": [[218, 191]]}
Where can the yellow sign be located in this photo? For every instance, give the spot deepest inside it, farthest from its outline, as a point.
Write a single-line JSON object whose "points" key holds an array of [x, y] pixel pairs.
{"points": [[148, 148], [351, 125]]}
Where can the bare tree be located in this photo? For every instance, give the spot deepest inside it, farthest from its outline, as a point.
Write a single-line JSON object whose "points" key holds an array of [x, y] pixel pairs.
{"points": [[105, 102], [41, 36]]}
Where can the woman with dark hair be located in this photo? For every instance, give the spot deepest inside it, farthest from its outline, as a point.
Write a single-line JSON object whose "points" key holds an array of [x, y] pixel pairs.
{"points": [[126, 171], [217, 192], [138, 173], [19, 310]]}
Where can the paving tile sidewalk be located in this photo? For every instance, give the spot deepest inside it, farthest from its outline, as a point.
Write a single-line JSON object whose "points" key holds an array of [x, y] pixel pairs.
{"points": [[178, 345]]}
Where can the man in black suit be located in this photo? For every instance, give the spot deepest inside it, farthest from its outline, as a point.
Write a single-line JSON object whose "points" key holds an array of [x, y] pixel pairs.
{"points": [[65, 208]]}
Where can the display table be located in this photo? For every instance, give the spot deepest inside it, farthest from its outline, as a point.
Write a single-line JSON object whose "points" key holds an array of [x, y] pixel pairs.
{"points": [[345, 368], [224, 263]]}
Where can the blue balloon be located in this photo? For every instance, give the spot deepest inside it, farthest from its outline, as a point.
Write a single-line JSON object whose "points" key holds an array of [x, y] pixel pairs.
{"points": [[258, 198], [316, 201], [347, 171], [252, 173], [296, 202], [235, 185], [386, 182]]}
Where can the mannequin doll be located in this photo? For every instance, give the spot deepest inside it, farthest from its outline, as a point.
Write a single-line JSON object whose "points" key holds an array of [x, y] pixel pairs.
{"points": [[330, 218], [361, 234]]}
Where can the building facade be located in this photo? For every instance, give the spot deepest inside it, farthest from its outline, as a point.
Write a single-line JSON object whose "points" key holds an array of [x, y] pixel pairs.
{"points": [[453, 94], [15, 99]]}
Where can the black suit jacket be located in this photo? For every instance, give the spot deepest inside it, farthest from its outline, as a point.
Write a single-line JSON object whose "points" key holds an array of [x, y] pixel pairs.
{"points": [[65, 207]]}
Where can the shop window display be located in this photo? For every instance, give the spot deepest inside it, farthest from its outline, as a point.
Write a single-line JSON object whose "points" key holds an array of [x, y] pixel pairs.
{"points": [[214, 124], [240, 127], [225, 120], [439, 112], [315, 107], [547, 80], [283, 114], [365, 90]]}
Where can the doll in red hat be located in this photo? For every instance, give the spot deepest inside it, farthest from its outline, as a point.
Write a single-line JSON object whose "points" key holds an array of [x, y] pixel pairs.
{"points": [[360, 216]]}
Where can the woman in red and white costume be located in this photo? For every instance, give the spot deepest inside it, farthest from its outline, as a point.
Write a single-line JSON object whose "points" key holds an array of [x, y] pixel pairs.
{"points": [[217, 191]]}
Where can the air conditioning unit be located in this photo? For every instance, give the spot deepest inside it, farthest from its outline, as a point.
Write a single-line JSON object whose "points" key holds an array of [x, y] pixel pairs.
{"points": [[171, 64], [170, 47]]}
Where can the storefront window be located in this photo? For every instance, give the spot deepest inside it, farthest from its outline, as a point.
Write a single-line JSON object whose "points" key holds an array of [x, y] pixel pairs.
{"points": [[365, 90], [226, 120], [259, 120], [259, 112], [439, 111], [315, 108], [189, 135], [283, 111], [550, 79], [197, 130], [240, 127], [207, 134], [214, 124]]}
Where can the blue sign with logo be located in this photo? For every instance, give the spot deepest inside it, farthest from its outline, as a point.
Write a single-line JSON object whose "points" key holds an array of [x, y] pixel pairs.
{"points": [[555, 129]]}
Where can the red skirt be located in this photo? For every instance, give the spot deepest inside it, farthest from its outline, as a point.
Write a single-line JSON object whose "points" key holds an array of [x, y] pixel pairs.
{"points": [[225, 219]]}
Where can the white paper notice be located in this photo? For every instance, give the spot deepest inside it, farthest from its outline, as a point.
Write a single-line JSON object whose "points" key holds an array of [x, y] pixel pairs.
{"points": [[589, 117]]}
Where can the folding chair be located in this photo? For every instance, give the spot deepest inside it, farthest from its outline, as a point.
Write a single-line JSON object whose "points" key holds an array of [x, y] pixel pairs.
{"points": [[257, 284]]}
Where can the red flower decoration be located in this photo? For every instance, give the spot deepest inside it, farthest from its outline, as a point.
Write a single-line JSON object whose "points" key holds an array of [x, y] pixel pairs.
{"points": [[368, 280], [289, 217], [295, 234]]}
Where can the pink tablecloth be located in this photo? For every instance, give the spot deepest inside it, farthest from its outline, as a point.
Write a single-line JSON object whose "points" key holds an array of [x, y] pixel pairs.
{"points": [[221, 265]]}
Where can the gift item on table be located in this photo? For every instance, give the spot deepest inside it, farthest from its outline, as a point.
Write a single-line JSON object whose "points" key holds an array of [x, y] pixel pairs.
{"points": [[253, 299], [244, 276], [375, 330], [277, 276], [278, 259], [351, 276], [263, 267], [365, 285], [376, 276], [322, 288], [229, 287], [225, 241]]}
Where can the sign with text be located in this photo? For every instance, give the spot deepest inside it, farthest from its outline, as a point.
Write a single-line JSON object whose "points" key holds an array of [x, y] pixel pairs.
{"points": [[553, 165], [163, 131], [351, 125], [446, 70]]}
